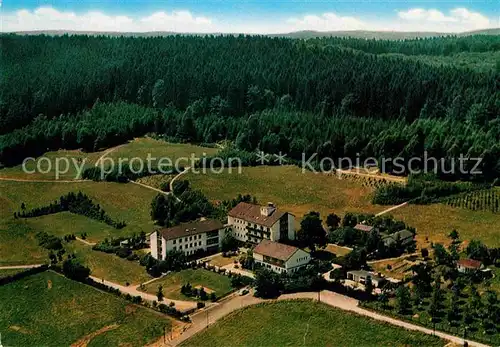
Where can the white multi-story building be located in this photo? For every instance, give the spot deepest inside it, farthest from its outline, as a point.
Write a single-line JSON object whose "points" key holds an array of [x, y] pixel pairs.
{"points": [[204, 234], [279, 257], [254, 223]]}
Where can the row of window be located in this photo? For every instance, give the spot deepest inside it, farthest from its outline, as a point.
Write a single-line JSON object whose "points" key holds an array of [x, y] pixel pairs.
{"points": [[188, 246], [186, 239], [239, 221], [301, 259]]}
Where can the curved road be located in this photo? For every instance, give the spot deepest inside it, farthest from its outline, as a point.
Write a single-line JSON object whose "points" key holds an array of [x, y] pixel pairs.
{"points": [[132, 290], [210, 315]]}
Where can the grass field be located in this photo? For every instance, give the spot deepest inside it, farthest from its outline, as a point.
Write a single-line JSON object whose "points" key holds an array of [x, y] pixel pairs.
{"points": [[220, 261], [173, 282], [289, 189], [109, 266], [44, 169], [304, 323], [337, 250], [57, 224], [10, 272], [124, 202], [142, 147], [49, 310], [437, 221]]}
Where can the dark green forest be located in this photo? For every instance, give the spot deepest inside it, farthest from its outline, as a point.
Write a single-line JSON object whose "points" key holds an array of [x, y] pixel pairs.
{"points": [[337, 97]]}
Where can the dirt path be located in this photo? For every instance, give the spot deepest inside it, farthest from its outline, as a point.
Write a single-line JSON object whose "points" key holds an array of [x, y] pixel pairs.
{"points": [[149, 187], [186, 170], [132, 290], [14, 267], [204, 318], [86, 242], [109, 151], [391, 209], [83, 342]]}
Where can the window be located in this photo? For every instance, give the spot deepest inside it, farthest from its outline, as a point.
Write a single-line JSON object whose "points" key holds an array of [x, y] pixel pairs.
{"points": [[199, 243], [174, 248], [180, 247], [174, 242]]}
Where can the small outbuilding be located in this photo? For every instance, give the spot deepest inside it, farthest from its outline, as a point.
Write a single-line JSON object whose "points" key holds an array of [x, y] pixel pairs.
{"points": [[361, 276]]}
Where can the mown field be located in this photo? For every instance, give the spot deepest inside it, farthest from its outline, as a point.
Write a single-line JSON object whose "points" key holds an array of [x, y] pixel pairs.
{"points": [[10, 272], [289, 189], [45, 169], [304, 323], [436, 221], [142, 147], [127, 202], [173, 282], [49, 310], [109, 266]]}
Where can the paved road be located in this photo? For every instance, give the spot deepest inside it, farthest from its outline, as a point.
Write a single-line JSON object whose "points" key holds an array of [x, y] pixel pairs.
{"points": [[210, 315], [132, 290]]}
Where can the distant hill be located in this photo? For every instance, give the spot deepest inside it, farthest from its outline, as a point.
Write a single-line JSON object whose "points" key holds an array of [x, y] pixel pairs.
{"points": [[382, 35], [306, 34]]}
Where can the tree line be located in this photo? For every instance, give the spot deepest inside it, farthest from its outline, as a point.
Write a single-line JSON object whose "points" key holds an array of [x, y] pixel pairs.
{"points": [[78, 203]]}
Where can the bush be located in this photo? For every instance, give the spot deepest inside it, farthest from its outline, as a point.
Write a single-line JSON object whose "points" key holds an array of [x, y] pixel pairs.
{"points": [[200, 304], [74, 270]]}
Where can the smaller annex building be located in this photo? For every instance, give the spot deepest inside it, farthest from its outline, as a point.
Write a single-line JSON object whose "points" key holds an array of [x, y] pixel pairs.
{"points": [[201, 235], [469, 265], [279, 257]]}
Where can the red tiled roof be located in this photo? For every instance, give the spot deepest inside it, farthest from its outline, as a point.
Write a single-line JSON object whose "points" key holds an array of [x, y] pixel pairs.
{"points": [[363, 227], [191, 228], [251, 213], [275, 250], [469, 263]]}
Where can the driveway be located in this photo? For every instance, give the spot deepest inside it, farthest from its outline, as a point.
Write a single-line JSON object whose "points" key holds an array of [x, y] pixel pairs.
{"points": [[240, 271]]}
